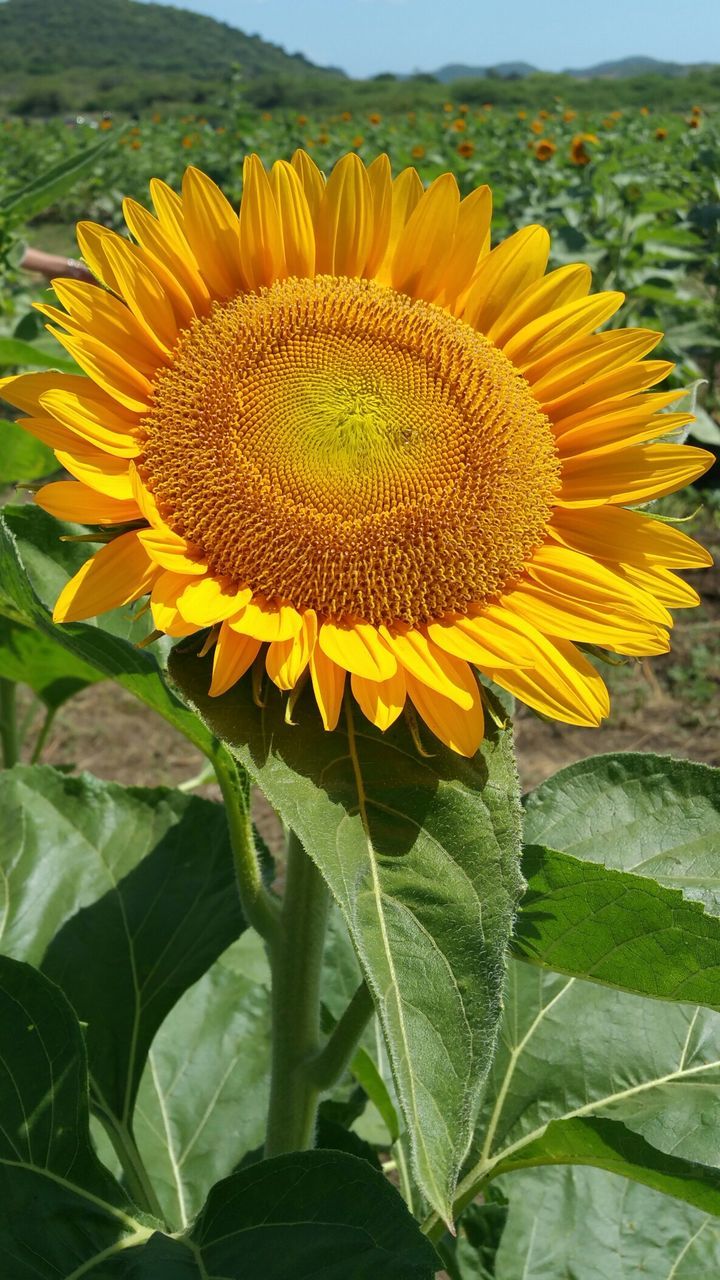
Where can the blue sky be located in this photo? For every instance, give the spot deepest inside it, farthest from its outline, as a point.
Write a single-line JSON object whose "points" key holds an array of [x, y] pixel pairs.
{"points": [[367, 36]]}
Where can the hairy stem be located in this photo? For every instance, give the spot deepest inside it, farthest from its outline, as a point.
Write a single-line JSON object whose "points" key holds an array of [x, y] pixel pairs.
{"points": [[296, 959], [328, 1065], [42, 737], [8, 724], [260, 909], [136, 1175]]}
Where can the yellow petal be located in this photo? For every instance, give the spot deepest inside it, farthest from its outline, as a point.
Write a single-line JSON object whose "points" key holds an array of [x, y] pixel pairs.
{"points": [[98, 312], [108, 370], [234, 653], [650, 403], [261, 242], [92, 418], [147, 504], [558, 569], [312, 181], [213, 231], [23, 390], [426, 241], [163, 604], [345, 220], [612, 533], [144, 295], [170, 251], [471, 237], [631, 475], [380, 179], [172, 552], [118, 573], [429, 664], [546, 334], [477, 640], [52, 434], [206, 601], [99, 471], [588, 357], [298, 232], [71, 500], [328, 681], [93, 240], [407, 190], [616, 383], [268, 621], [561, 683], [381, 701], [585, 621], [357, 648], [504, 274], [665, 586], [461, 730], [169, 209], [287, 659], [621, 428], [556, 289]]}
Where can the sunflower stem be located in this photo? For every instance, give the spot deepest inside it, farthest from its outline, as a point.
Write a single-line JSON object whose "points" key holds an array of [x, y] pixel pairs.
{"points": [[260, 908], [296, 961], [330, 1062], [8, 724]]}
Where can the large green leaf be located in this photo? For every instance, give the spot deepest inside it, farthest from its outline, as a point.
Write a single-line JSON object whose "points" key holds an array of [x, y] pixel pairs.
{"points": [[202, 1102], [422, 857], [60, 1207], [616, 927], [593, 1225], [34, 658], [34, 565], [311, 1214], [14, 353], [649, 814], [608, 1144], [23, 457], [572, 1050], [149, 905]]}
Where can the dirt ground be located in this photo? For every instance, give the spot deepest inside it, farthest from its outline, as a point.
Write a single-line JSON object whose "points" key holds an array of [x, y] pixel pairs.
{"points": [[669, 705]]}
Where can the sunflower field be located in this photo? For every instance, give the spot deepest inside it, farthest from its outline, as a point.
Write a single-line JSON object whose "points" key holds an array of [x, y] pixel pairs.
{"points": [[359, 888]]}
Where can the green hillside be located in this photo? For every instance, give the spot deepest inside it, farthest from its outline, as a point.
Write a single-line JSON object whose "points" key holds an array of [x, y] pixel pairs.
{"points": [[87, 54]]}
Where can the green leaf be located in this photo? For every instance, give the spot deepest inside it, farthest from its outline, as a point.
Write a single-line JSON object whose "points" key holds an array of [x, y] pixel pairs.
{"points": [[22, 456], [311, 1214], [572, 1050], [593, 1225], [202, 1102], [25, 355], [61, 1208], [608, 1144], [616, 927], [158, 869], [34, 565], [422, 857], [649, 814], [53, 183], [32, 658]]}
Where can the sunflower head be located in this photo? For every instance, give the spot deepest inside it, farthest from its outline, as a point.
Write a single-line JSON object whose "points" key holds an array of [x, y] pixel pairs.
{"points": [[338, 433], [544, 149]]}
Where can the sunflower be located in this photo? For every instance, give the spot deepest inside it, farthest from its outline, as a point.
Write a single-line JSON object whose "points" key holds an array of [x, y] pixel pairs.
{"points": [[579, 154], [338, 434], [544, 149]]}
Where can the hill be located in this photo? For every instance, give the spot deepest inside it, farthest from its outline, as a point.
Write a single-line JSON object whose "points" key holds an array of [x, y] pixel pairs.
{"points": [[618, 70], [84, 49]]}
